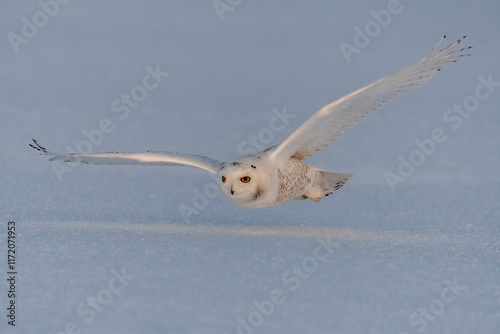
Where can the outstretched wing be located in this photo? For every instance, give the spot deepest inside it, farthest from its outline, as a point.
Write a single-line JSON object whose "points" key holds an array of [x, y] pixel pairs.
{"points": [[331, 121], [149, 158]]}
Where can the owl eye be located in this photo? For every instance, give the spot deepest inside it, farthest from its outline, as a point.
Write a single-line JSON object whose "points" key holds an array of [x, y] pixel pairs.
{"points": [[223, 179], [245, 179]]}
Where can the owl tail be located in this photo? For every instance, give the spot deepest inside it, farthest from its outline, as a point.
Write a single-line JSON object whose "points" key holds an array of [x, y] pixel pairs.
{"points": [[327, 184], [333, 181]]}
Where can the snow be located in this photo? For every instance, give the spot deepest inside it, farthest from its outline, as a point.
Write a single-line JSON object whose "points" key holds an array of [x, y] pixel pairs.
{"points": [[155, 250]]}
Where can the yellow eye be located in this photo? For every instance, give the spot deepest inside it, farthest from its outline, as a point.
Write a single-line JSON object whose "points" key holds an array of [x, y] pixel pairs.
{"points": [[245, 179], [223, 179]]}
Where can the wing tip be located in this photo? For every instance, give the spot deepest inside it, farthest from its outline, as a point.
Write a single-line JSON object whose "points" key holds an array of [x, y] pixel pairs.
{"points": [[452, 54], [38, 147]]}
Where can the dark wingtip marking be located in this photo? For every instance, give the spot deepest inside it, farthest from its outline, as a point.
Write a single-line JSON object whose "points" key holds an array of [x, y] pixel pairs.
{"points": [[38, 147]]}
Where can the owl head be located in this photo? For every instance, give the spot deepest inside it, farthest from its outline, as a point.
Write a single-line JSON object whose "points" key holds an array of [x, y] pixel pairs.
{"points": [[244, 181]]}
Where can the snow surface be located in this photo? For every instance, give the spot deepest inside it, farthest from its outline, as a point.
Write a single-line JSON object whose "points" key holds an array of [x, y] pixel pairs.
{"points": [[197, 264]]}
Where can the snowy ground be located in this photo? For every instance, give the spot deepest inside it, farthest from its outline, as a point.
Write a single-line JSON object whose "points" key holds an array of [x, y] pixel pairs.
{"points": [[375, 274], [154, 250]]}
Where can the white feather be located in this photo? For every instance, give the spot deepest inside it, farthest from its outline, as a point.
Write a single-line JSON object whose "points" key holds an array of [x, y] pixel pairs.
{"points": [[150, 158]]}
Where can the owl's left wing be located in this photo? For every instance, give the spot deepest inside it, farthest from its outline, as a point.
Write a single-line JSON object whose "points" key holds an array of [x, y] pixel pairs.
{"points": [[150, 158], [331, 121]]}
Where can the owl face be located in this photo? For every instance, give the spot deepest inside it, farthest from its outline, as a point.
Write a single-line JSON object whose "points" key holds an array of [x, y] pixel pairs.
{"points": [[241, 182]]}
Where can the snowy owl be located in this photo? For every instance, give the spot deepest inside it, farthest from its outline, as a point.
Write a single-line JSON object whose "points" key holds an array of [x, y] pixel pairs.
{"points": [[279, 174]]}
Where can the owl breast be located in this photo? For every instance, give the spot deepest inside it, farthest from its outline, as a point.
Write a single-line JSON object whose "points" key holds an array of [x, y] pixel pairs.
{"points": [[295, 179]]}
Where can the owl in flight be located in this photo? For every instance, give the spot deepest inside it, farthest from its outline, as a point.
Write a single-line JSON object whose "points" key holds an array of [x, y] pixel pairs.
{"points": [[279, 174]]}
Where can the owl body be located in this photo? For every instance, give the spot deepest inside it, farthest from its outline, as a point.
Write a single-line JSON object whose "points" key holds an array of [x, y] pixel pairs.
{"points": [[256, 181], [296, 179]]}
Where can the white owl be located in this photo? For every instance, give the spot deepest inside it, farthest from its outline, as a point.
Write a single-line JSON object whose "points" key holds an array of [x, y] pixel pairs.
{"points": [[279, 174]]}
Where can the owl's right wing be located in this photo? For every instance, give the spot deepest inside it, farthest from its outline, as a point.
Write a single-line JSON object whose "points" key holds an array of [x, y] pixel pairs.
{"points": [[149, 158], [331, 121]]}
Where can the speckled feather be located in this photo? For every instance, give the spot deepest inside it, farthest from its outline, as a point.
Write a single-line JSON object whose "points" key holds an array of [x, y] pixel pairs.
{"points": [[294, 180]]}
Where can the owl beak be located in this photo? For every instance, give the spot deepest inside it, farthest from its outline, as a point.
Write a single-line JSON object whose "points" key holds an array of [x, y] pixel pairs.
{"points": [[232, 191]]}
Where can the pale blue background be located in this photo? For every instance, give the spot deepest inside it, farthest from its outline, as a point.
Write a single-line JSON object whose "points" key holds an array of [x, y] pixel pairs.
{"points": [[395, 248]]}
